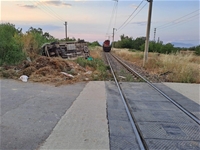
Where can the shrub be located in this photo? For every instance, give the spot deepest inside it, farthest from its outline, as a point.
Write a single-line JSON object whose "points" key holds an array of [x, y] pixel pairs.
{"points": [[93, 44], [33, 39], [197, 50], [10, 45]]}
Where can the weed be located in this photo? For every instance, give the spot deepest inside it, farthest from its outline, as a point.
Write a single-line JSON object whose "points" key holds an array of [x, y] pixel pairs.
{"points": [[97, 64]]}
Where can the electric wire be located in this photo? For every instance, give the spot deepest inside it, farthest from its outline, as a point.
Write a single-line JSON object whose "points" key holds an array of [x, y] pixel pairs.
{"points": [[116, 14], [48, 9], [46, 6], [110, 19], [130, 16], [174, 21], [47, 12], [180, 22], [112, 16]]}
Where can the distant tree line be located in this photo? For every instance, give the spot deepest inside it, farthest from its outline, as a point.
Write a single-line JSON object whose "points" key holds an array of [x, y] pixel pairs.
{"points": [[154, 46]]}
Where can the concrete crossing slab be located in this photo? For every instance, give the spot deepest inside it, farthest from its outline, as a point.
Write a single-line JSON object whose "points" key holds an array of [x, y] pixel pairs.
{"points": [[191, 91], [121, 132], [184, 94], [160, 121], [84, 126]]}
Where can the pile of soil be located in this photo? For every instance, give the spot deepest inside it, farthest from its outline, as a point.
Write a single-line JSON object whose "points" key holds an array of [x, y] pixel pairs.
{"points": [[55, 71]]}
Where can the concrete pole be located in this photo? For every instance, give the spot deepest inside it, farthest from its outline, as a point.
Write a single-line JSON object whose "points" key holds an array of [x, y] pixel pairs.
{"points": [[66, 30], [148, 33], [113, 36]]}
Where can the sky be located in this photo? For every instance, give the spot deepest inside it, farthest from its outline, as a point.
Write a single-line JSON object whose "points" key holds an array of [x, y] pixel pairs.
{"points": [[92, 20]]}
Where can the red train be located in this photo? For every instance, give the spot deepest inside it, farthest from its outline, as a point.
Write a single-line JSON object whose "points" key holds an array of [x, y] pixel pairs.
{"points": [[107, 46]]}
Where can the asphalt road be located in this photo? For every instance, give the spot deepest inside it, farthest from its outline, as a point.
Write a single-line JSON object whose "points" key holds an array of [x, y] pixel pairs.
{"points": [[30, 111]]}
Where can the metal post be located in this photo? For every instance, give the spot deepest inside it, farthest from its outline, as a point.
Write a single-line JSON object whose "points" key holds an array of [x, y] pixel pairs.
{"points": [[148, 32]]}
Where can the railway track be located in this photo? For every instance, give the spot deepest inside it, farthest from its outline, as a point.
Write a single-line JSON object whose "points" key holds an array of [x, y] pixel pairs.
{"points": [[138, 135], [142, 140]]}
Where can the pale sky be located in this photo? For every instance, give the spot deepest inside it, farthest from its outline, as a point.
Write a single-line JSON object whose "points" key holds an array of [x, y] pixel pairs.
{"points": [[175, 21]]}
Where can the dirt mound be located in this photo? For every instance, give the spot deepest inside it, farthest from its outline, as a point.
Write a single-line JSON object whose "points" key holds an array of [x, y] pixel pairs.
{"points": [[55, 71]]}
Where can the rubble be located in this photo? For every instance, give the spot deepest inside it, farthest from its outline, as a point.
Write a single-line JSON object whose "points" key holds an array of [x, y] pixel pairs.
{"points": [[52, 70]]}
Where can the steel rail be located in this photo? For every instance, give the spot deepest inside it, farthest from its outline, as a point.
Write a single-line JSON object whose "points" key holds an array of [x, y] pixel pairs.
{"points": [[141, 145], [171, 100]]}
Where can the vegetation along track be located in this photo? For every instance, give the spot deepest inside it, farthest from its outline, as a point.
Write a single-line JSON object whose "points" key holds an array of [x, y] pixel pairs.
{"points": [[123, 74], [110, 59]]}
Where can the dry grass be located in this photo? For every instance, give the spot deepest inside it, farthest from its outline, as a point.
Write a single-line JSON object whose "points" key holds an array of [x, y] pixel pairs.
{"points": [[47, 70], [175, 67], [134, 57], [96, 52]]}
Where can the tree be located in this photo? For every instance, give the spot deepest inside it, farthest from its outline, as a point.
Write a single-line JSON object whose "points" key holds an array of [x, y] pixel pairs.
{"points": [[138, 42], [168, 48], [95, 43], [35, 31], [156, 46], [125, 42], [153, 46], [48, 36], [10, 45]]}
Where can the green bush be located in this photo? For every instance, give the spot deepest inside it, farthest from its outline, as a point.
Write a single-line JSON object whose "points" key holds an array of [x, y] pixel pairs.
{"points": [[98, 65], [10, 45], [39, 38], [159, 47], [95, 63], [93, 44], [197, 50], [129, 42]]}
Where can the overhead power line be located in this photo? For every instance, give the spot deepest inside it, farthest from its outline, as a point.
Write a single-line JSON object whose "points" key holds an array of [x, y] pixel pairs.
{"points": [[130, 15], [48, 8], [116, 14], [113, 16], [178, 20], [181, 22], [47, 12]]}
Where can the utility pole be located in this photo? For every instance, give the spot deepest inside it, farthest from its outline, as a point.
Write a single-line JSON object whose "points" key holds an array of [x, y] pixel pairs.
{"points": [[158, 40], [154, 34], [148, 32], [113, 36], [66, 30]]}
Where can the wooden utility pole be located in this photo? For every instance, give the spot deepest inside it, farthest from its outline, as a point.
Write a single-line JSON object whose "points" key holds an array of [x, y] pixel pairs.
{"points": [[66, 30], [148, 32], [154, 35]]}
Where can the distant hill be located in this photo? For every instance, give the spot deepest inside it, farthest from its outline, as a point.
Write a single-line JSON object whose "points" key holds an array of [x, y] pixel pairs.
{"points": [[185, 45]]}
